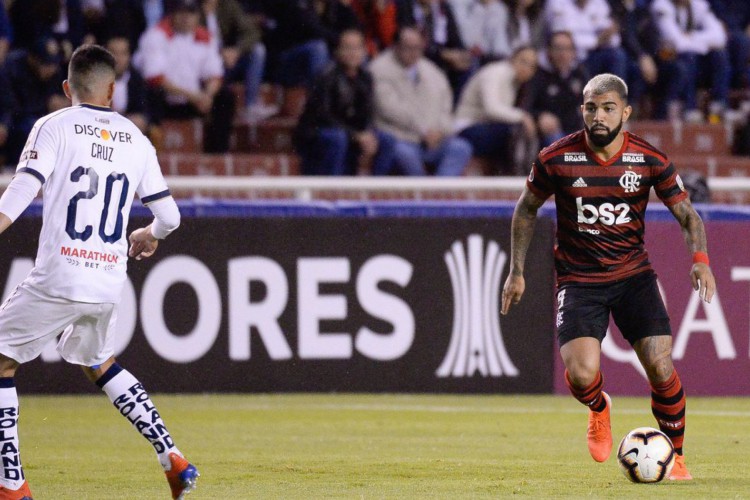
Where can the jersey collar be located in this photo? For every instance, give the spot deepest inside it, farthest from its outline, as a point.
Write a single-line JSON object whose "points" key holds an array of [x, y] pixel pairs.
{"points": [[98, 108], [615, 157]]}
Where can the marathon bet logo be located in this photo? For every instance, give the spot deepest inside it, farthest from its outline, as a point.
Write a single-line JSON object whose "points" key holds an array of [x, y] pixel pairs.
{"points": [[476, 344]]}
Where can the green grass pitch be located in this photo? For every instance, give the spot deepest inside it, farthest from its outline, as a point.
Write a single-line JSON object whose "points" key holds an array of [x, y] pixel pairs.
{"points": [[369, 446]]}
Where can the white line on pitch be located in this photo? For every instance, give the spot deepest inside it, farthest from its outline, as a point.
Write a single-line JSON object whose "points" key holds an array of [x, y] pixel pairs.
{"points": [[453, 409]]}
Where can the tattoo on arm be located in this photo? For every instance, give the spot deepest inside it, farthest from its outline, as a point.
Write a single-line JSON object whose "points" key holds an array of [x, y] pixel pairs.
{"points": [[522, 229], [692, 226]]}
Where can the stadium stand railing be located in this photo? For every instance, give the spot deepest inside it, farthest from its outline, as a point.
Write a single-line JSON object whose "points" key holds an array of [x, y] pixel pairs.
{"points": [[732, 190]]}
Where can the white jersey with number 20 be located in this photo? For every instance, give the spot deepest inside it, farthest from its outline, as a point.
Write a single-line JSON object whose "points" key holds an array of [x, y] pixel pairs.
{"points": [[91, 161]]}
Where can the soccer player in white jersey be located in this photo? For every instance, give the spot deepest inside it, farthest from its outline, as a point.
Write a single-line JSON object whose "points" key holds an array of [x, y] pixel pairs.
{"points": [[90, 162]]}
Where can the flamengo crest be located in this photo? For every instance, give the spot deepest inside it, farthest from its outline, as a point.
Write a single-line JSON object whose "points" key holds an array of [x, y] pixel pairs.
{"points": [[630, 181]]}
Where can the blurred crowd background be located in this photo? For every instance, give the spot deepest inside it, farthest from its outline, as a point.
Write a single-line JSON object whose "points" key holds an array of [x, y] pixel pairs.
{"points": [[381, 87]]}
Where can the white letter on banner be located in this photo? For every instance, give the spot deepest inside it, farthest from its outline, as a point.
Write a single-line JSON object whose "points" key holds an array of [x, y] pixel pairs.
{"points": [[389, 308], [715, 324], [264, 315], [127, 314], [741, 274], [312, 307], [180, 348]]}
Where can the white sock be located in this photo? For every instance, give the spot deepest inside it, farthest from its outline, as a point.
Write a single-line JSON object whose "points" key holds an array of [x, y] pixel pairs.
{"points": [[133, 403], [11, 475]]}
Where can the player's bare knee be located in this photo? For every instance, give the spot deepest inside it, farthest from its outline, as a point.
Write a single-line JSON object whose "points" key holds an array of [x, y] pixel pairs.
{"points": [[655, 354], [582, 373], [94, 372], [660, 370], [8, 366]]}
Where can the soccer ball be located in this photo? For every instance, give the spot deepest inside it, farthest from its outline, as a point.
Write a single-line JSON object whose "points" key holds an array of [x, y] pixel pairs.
{"points": [[646, 455]]}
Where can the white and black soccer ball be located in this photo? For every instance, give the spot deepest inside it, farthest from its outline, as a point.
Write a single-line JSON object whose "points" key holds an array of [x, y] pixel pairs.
{"points": [[646, 455]]}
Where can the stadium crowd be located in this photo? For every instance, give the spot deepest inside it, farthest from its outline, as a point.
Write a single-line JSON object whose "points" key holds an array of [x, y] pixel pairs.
{"points": [[404, 87]]}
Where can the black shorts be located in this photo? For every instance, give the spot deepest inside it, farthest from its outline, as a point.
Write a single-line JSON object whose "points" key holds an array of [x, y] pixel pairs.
{"points": [[583, 309]]}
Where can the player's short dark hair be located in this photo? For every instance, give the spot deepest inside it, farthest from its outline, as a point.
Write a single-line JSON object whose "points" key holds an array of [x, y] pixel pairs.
{"points": [[607, 82], [86, 61]]}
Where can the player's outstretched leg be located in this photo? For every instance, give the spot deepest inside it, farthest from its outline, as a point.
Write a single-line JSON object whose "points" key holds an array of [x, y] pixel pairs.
{"points": [[668, 407], [13, 485], [134, 403], [599, 434]]}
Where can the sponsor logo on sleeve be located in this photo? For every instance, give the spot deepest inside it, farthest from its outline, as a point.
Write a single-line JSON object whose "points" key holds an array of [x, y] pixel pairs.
{"points": [[29, 155]]}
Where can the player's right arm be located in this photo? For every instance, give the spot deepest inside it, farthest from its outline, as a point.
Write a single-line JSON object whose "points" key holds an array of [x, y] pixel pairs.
{"points": [[522, 230], [36, 164], [17, 197]]}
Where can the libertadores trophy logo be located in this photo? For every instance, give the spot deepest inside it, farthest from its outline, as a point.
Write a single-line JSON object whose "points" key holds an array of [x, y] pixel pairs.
{"points": [[477, 342]]}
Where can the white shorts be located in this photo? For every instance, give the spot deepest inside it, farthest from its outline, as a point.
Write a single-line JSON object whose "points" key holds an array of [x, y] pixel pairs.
{"points": [[30, 319]]}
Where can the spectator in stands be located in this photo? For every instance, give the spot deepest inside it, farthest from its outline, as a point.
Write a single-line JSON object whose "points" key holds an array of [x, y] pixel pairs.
{"points": [[379, 23], [554, 96], [60, 19], [243, 53], [640, 40], [336, 134], [693, 42], [483, 25], [35, 78], [6, 119], [595, 32], [336, 16], [437, 23], [413, 102], [526, 23], [179, 58], [153, 11], [736, 18], [107, 18], [486, 113], [297, 41], [6, 32], [131, 93]]}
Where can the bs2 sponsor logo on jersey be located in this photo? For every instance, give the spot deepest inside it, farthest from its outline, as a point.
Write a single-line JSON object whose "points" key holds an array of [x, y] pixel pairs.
{"points": [[606, 213], [103, 133]]}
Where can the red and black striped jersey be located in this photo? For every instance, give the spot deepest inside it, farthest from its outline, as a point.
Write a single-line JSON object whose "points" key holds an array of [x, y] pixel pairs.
{"points": [[601, 205]]}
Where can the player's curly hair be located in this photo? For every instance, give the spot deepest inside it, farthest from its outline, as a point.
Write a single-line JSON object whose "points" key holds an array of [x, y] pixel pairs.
{"points": [[607, 82], [87, 64]]}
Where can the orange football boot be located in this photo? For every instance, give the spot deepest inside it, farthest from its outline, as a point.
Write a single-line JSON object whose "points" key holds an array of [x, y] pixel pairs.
{"points": [[182, 476], [22, 493], [600, 432], [679, 470]]}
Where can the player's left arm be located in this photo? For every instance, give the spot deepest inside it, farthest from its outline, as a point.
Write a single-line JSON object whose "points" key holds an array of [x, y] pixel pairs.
{"points": [[145, 240], [695, 236]]}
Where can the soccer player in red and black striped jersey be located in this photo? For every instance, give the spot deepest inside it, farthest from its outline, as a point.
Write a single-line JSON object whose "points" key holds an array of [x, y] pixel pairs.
{"points": [[601, 178]]}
